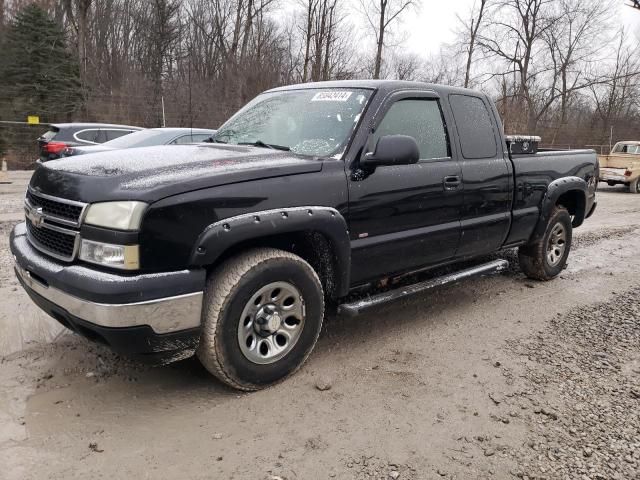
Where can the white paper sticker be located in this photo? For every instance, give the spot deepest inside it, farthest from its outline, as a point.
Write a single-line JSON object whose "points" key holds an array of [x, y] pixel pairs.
{"points": [[337, 96]]}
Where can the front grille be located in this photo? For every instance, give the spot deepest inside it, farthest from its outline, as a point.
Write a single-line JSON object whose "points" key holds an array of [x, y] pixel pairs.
{"points": [[61, 209], [59, 244]]}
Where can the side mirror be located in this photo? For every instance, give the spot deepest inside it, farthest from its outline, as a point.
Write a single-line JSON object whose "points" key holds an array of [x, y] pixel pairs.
{"points": [[392, 150]]}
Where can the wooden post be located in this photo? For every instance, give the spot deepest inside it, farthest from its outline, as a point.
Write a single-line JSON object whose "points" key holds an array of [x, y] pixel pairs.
{"points": [[4, 178]]}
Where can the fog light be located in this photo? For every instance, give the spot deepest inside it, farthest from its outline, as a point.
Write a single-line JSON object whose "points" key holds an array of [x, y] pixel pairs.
{"points": [[125, 257]]}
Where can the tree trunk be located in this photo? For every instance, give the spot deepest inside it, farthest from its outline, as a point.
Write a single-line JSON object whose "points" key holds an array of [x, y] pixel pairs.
{"points": [[381, 27]]}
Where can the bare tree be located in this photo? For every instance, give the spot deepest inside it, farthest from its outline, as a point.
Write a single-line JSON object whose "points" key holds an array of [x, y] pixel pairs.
{"points": [[407, 66], [617, 95], [468, 34], [77, 12], [516, 37], [574, 48], [380, 16]]}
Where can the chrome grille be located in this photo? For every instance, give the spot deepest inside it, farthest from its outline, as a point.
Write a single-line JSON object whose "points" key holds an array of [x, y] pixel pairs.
{"points": [[57, 243], [48, 220], [67, 212]]}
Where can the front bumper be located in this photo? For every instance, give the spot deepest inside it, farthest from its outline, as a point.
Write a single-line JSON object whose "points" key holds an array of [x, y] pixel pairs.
{"points": [[156, 316]]}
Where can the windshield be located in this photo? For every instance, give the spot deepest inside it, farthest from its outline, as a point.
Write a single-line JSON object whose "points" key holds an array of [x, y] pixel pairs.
{"points": [[316, 122], [143, 138], [626, 148]]}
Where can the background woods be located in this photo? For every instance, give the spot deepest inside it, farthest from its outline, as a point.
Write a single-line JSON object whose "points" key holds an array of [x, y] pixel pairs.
{"points": [[563, 69]]}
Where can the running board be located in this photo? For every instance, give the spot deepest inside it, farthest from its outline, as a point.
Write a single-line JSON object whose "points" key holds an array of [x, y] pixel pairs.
{"points": [[355, 308]]}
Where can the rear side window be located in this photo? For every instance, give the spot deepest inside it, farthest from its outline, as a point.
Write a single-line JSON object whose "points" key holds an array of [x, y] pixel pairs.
{"points": [[101, 137], [113, 134], [420, 119], [186, 139], [474, 125], [183, 140], [200, 137], [89, 135]]}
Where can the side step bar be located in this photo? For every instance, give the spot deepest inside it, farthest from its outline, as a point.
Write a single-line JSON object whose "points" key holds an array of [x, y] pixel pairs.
{"points": [[359, 306]]}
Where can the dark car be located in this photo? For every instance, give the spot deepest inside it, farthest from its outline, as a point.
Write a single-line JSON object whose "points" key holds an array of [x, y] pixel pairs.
{"points": [[306, 200], [63, 135], [146, 138]]}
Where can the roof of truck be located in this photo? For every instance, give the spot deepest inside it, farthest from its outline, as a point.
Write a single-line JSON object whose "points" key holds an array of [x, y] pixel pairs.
{"points": [[384, 85]]}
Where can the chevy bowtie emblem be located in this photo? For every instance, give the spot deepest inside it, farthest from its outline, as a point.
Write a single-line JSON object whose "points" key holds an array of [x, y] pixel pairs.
{"points": [[35, 215]]}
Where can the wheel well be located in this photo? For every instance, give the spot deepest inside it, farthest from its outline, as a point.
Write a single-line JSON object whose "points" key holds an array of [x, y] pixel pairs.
{"points": [[312, 246], [575, 203]]}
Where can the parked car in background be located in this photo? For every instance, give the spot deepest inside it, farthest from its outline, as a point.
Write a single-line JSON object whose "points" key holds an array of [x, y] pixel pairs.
{"points": [[622, 166], [146, 138], [64, 135]]}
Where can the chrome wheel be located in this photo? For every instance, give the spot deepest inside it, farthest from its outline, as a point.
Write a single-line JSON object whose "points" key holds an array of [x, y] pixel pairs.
{"points": [[271, 323], [556, 245]]}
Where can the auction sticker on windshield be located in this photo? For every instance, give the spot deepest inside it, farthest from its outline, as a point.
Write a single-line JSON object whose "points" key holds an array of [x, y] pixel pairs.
{"points": [[340, 96]]}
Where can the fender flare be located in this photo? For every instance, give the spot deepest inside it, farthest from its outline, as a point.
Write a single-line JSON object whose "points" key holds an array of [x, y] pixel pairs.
{"points": [[556, 189], [224, 234]]}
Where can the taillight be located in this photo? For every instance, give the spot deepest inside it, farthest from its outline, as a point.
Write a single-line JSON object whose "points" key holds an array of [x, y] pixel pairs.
{"points": [[54, 147], [627, 173], [67, 152]]}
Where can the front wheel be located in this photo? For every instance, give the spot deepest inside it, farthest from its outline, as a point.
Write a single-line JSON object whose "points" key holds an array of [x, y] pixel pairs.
{"points": [[545, 258], [262, 316]]}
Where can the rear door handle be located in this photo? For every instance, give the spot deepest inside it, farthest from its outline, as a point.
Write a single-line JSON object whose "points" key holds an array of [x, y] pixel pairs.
{"points": [[451, 182]]}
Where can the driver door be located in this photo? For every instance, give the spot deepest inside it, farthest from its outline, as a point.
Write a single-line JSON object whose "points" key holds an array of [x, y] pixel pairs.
{"points": [[406, 217]]}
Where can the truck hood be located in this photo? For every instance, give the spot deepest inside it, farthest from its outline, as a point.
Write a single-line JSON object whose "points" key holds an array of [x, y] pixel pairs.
{"points": [[151, 173]]}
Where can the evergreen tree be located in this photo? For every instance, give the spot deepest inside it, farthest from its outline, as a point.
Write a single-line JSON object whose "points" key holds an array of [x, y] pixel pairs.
{"points": [[38, 75]]}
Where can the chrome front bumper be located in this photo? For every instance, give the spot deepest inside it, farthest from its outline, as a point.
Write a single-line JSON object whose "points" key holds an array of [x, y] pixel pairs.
{"points": [[164, 303], [163, 315]]}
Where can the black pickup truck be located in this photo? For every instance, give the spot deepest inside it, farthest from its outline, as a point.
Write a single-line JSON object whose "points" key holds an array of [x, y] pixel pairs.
{"points": [[233, 250]]}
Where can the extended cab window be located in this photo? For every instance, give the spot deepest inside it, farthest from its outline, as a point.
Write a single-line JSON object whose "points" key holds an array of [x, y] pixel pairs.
{"points": [[475, 127], [420, 119]]}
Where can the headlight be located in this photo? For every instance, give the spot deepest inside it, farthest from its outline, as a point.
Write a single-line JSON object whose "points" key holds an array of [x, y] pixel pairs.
{"points": [[125, 257], [119, 215]]}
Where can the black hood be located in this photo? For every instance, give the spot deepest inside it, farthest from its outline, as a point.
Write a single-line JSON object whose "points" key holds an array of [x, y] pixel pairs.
{"points": [[151, 173]]}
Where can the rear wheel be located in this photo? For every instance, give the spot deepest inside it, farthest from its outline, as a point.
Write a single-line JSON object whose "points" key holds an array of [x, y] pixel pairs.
{"points": [[545, 258], [634, 187], [262, 316]]}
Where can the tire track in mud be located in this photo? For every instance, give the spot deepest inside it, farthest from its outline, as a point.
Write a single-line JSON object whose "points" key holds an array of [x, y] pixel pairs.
{"points": [[589, 239]]}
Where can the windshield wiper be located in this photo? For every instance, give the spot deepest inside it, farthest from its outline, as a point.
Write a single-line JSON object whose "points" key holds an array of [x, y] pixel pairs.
{"points": [[260, 143]]}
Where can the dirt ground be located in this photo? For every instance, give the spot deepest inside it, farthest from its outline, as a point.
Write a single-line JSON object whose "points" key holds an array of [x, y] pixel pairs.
{"points": [[499, 377]]}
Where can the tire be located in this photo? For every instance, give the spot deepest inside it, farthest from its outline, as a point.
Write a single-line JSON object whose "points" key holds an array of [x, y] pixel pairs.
{"points": [[538, 260], [634, 187], [248, 300]]}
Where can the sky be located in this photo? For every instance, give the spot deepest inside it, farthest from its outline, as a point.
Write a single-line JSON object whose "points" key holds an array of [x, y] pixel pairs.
{"points": [[432, 26]]}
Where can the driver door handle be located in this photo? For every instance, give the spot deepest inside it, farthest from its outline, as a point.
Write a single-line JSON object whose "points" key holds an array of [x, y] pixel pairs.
{"points": [[451, 182]]}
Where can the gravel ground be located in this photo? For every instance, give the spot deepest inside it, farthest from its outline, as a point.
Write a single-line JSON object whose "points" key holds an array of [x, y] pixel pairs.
{"points": [[496, 378], [582, 379]]}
